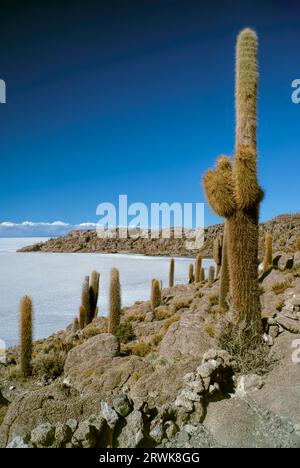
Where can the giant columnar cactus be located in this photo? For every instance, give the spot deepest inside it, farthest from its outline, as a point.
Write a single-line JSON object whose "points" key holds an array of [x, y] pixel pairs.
{"points": [[114, 302], [25, 336], [233, 191], [211, 276], [224, 276], [268, 259], [171, 273], [85, 299], [82, 317]]}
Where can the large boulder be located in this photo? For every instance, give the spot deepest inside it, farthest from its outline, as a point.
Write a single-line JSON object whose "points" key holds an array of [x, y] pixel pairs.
{"points": [[186, 338]]}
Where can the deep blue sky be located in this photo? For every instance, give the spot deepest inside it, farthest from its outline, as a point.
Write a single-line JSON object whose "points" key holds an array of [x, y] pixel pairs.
{"points": [[137, 97]]}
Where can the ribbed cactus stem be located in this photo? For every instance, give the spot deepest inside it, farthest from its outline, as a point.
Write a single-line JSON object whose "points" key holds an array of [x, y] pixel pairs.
{"points": [[224, 274], [198, 264], [94, 293], [114, 301], [171, 273], [202, 275], [268, 259], [26, 318], [217, 252], [155, 294], [85, 299]]}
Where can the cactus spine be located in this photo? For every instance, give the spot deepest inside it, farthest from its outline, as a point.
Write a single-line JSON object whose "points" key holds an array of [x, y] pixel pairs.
{"points": [[171, 273], [224, 276], [191, 273], [233, 190], [25, 336], [268, 259], [155, 294], [114, 302], [198, 264], [211, 276]]}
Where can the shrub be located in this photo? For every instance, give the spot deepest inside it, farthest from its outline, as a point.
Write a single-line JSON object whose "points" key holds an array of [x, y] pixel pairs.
{"points": [[210, 330], [156, 339], [161, 314], [213, 299], [281, 286], [136, 318], [140, 349], [51, 365], [125, 332], [169, 322]]}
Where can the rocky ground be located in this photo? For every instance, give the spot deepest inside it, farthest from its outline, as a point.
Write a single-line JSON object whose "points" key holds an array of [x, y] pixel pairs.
{"points": [[170, 384], [285, 229]]}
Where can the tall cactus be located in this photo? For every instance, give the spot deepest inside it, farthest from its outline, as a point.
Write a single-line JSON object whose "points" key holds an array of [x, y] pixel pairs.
{"points": [[25, 336], [211, 276], [94, 293], [171, 273], [85, 299], [198, 265], [202, 275], [268, 259], [233, 191], [114, 302], [191, 273], [82, 317], [224, 275], [217, 252]]}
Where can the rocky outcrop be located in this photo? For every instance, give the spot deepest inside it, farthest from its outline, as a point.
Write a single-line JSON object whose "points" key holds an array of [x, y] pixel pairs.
{"points": [[284, 228]]}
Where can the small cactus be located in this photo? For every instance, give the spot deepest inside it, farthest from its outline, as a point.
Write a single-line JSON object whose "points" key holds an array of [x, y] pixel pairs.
{"points": [[171, 273], [82, 317], [25, 336], [76, 325], [191, 273], [268, 260], [155, 294], [211, 276], [114, 302], [202, 275], [198, 264]]}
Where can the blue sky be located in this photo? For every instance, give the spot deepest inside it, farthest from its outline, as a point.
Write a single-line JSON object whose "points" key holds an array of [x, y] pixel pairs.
{"points": [[137, 98]]}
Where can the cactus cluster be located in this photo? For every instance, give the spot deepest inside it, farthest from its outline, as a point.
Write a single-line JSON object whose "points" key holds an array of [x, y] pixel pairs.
{"points": [[26, 318], [233, 191]]}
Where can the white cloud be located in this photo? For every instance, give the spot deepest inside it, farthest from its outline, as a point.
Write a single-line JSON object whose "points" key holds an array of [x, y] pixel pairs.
{"points": [[40, 229]]}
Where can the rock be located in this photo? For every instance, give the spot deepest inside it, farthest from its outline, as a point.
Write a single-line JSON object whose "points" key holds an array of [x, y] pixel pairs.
{"points": [[171, 429], [186, 338], [149, 317], [297, 259], [268, 339], [72, 424], [100, 346], [122, 405], [185, 403], [43, 435], [269, 304], [285, 262], [18, 442], [249, 383], [207, 369], [109, 414], [157, 434], [88, 432], [132, 434], [63, 435], [291, 325]]}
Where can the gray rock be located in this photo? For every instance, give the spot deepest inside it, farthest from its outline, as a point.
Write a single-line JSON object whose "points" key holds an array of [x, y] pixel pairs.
{"points": [[157, 434], [63, 435], [87, 433], [72, 424], [122, 405], [285, 262], [133, 433], [171, 429], [43, 435], [249, 383], [109, 414], [18, 442]]}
